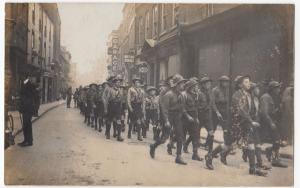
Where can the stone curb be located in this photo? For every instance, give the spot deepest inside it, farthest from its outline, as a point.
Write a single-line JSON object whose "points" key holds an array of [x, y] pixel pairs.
{"points": [[41, 115]]}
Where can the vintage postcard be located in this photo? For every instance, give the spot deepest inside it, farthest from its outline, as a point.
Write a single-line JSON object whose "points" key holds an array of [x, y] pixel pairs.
{"points": [[149, 94]]}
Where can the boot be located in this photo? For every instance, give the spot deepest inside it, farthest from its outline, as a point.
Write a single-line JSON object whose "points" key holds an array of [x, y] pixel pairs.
{"points": [[245, 155], [129, 134], [120, 139], [173, 145], [154, 133], [139, 136], [179, 160], [185, 148], [169, 150], [224, 154], [157, 133], [123, 125], [216, 151], [210, 142], [276, 162], [253, 170], [269, 153], [152, 151], [107, 130], [257, 172], [259, 160], [208, 161], [196, 157], [96, 126], [88, 121], [115, 130]]}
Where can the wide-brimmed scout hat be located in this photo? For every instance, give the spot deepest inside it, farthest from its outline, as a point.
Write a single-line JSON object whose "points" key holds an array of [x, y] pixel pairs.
{"points": [[93, 84], [253, 85], [205, 79], [136, 78], [117, 78], [190, 83], [224, 78], [274, 84], [162, 83], [110, 78], [177, 79], [194, 78], [151, 88]]}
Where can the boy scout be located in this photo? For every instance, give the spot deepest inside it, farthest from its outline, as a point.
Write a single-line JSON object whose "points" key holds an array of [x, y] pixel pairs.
{"points": [[113, 107], [220, 101], [136, 106], [190, 114], [270, 119], [205, 103], [172, 110], [152, 111]]}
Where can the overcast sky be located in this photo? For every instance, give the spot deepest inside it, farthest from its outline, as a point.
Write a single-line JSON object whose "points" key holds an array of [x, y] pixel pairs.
{"points": [[85, 28]]}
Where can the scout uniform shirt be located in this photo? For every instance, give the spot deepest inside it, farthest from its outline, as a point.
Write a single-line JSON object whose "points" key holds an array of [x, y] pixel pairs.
{"points": [[171, 103], [135, 95], [220, 99], [152, 103], [190, 106]]}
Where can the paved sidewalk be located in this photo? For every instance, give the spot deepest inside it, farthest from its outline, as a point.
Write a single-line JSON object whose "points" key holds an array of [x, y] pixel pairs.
{"points": [[44, 108]]}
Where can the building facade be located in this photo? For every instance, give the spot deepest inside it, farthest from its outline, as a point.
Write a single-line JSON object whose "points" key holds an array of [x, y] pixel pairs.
{"points": [[65, 60], [208, 39], [32, 47]]}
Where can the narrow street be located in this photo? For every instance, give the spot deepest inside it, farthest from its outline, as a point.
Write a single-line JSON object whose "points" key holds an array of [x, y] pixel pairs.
{"points": [[67, 152]]}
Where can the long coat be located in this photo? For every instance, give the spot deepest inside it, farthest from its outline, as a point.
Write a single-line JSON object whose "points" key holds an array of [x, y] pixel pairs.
{"points": [[28, 94]]}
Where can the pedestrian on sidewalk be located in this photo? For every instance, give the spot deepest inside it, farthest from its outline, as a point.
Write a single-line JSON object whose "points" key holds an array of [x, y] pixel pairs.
{"points": [[69, 97], [27, 109]]}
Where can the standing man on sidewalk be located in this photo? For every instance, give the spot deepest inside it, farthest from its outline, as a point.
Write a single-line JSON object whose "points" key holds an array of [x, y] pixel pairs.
{"points": [[27, 109], [69, 97]]}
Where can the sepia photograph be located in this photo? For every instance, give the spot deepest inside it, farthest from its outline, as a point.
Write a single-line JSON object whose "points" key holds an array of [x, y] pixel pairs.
{"points": [[148, 94]]}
